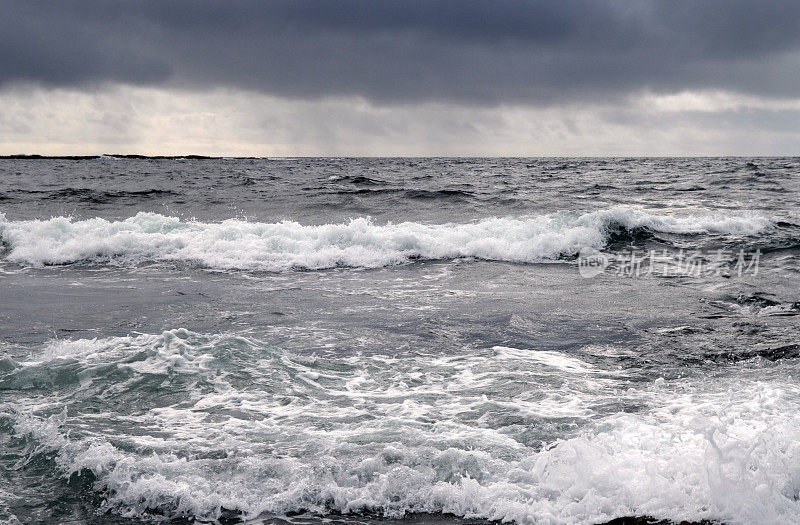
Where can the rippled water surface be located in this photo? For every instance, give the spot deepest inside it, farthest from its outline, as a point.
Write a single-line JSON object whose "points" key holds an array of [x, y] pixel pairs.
{"points": [[399, 340]]}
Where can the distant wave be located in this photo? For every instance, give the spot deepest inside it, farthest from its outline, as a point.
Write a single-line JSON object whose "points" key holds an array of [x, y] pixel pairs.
{"points": [[91, 195], [410, 193], [286, 245]]}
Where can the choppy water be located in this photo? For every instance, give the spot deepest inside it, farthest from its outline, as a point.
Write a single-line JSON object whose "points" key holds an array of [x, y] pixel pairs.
{"points": [[369, 340]]}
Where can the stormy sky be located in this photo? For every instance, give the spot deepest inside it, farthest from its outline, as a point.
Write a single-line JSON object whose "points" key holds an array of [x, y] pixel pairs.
{"points": [[374, 77]]}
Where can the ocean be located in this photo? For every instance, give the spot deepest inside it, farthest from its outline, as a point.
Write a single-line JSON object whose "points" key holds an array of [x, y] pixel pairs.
{"points": [[399, 340]]}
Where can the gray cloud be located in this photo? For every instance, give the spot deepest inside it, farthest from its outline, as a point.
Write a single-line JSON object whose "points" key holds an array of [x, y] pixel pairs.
{"points": [[498, 51], [143, 120]]}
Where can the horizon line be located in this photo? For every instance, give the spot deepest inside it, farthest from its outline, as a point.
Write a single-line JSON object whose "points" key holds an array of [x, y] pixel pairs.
{"points": [[135, 156]]}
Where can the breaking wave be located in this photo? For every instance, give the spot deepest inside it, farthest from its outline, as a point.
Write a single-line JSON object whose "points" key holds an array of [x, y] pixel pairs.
{"points": [[254, 431], [238, 244]]}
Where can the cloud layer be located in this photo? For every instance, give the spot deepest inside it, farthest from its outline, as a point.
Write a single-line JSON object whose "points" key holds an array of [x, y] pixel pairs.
{"points": [[411, 77], [228, 122], [502, 51]]}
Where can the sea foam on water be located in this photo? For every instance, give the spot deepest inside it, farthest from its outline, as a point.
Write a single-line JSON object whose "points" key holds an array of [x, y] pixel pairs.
{"points": [[274, 247], [350, 434]]}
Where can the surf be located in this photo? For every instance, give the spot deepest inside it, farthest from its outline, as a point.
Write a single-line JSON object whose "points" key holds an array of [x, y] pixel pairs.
{"points": [[236, 244], [258, 431]]}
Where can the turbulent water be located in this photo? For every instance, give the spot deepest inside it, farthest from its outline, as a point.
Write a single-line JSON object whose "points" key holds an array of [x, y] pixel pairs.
{"points": [[399, 340]]}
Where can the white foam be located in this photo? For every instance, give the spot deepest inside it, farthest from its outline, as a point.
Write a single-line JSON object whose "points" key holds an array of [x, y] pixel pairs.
{"points": [[727, 457], [347, 434], [238, 244], [170, 350], [556, 360]]}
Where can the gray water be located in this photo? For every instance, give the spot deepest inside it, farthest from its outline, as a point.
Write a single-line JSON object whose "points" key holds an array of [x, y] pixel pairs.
{"points": [[374, 340]]}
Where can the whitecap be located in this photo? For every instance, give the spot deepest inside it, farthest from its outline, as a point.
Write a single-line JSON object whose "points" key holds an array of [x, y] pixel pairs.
{"points": [[239, 244]]}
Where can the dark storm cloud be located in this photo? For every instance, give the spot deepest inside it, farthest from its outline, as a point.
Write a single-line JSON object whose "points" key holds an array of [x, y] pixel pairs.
{"points": [[492, 51]]}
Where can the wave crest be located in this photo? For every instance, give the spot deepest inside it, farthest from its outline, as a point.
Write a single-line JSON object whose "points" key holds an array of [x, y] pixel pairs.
{"points": [[238, 244]]}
